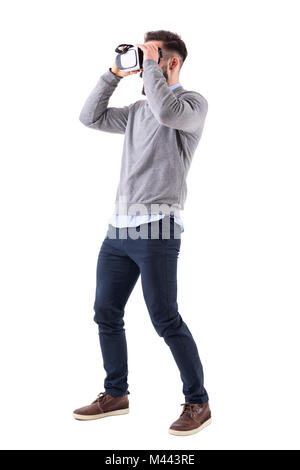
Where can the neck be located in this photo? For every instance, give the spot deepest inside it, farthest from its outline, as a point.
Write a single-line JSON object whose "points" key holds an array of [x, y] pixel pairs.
{"points": [[172, 81]]}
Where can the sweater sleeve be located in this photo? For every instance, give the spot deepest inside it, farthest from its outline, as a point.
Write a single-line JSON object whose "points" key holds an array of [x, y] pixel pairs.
{"points": [[186, 113], [96, 114]]}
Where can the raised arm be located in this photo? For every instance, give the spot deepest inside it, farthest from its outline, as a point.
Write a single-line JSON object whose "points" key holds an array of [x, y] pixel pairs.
{"points": [[186, 113], [96, 114]]}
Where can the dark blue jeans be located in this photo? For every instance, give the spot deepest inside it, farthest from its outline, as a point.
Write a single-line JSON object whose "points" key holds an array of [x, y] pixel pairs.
{"points": [[121, 260]]}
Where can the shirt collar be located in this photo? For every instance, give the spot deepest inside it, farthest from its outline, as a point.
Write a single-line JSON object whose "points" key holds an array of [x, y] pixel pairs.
{"points": [[175, 85]]}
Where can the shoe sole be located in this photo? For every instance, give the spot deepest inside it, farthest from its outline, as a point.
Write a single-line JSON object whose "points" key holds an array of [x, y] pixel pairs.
{"points": [[102, 415], [192, 431]]}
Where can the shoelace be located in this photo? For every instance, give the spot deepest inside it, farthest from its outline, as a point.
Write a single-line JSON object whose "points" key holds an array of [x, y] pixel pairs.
{"points": [[100, 399], [101, 396], [188, 409]]}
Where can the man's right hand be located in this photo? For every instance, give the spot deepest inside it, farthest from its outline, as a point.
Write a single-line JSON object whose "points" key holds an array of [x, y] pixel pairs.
{"points": [[120, 73]]}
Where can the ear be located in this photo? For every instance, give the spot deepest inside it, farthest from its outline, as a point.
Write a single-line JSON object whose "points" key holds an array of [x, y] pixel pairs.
{"points": [[173, 62]]}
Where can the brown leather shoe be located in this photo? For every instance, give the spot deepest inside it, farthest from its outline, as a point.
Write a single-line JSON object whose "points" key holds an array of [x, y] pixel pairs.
{"points": [[193, 418], [104, 405]]}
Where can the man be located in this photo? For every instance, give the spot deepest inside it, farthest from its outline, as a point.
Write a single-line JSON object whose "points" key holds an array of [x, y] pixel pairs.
{"points": [[161, 136]]}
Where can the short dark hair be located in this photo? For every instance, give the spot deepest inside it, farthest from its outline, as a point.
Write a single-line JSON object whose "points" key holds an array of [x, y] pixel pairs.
{"points": [[172, 44]]}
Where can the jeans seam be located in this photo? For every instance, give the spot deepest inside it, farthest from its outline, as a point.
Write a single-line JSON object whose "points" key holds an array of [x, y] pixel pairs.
{"points": [[166, 278]]}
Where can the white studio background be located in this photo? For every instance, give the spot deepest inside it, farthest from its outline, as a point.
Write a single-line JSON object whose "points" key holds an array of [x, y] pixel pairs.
{"points": [[238, 278]]}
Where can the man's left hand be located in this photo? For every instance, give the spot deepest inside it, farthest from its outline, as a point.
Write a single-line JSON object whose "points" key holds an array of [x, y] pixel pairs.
{"points": [[150, 51]]}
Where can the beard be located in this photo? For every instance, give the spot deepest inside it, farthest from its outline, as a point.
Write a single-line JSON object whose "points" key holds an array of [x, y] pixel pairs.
{"points": [[165, 74]]}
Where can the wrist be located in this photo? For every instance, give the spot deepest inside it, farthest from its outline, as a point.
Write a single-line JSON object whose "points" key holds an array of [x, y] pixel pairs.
{"points": [[114, 72]]}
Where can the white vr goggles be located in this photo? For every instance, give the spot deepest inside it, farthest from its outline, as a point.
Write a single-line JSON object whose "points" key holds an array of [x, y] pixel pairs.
{"points": [[131, 57]]}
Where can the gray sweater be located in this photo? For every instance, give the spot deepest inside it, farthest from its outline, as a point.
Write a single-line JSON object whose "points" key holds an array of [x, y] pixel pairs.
{"points": [[161, 134]]}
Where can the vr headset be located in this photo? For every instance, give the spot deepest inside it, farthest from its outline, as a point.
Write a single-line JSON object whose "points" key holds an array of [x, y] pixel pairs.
{"points": [[131, 57]]}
